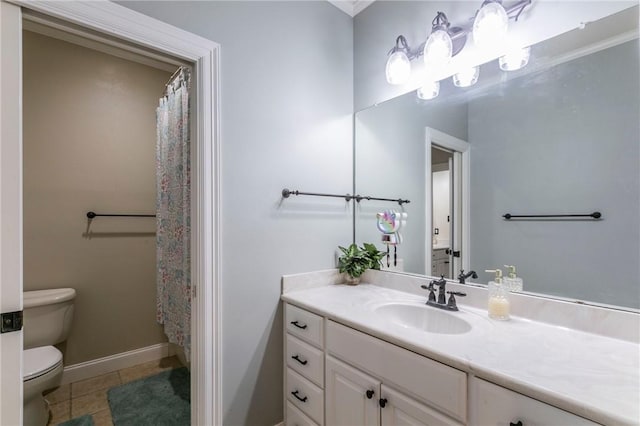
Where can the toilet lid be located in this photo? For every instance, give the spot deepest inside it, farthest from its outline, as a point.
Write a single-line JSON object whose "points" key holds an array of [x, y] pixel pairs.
{"points": [[39, 361]]}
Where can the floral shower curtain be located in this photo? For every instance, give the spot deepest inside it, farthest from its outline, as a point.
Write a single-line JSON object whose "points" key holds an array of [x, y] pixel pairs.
{"points": [[173, 211]]}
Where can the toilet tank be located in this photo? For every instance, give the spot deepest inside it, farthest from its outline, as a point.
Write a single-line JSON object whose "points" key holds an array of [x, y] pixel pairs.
{"points": [[47, 316]]}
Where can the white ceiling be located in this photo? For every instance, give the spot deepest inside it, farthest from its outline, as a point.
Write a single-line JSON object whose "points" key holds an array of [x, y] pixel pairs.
{"points": [[351, 7]]}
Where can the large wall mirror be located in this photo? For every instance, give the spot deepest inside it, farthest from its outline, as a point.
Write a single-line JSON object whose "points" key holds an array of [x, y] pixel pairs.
{"points": [[560, 136]]}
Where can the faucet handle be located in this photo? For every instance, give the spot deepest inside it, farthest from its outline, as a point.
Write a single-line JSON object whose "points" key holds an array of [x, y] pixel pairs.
{"points": [[451, 303], [432, 295]]}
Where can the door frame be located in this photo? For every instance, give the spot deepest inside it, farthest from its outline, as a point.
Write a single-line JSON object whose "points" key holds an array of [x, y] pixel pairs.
{"points": [[461, 184], [117, 21]]}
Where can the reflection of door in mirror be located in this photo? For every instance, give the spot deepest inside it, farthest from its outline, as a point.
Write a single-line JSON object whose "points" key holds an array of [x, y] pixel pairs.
{"points": [[441, 206], [447, 199]]}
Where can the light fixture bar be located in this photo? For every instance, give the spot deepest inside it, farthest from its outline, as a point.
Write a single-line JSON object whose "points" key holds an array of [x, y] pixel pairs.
{"points": [[459, 33]]}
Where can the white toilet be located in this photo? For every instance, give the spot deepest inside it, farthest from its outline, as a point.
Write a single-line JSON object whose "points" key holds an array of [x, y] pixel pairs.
{"points": [[47, 320]]}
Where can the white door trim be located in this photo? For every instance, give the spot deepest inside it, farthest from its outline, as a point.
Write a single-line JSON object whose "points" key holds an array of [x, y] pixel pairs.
{"points": [[125, 24], [461, 151], [10, 209]]}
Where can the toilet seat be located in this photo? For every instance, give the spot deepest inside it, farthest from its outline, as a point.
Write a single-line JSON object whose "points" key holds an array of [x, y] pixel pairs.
{"points": [[39, 361]]}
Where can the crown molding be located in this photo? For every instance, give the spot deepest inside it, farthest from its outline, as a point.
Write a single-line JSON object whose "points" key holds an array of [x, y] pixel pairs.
{"points": [[351, 7]]}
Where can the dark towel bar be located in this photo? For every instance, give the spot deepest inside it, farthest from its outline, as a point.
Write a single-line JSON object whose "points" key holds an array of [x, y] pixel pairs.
{"points": [[594, 215], [91, 215], [286, 193]]}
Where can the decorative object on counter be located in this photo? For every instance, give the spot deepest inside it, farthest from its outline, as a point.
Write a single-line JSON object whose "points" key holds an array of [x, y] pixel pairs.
{"points": [[389, 223], [512, 281], [499, 305], [355, 260]]}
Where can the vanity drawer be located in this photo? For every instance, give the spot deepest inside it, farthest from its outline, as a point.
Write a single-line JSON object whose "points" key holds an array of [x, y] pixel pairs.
{"points": [[305, 359], [493, 405], [306, 396], [296, 417], [440, 386], [304, 325]]}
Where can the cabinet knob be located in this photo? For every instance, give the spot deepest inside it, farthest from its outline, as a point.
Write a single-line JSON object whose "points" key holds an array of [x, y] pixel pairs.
{"points": [[383, 402], [516, 424], [370, 394]]}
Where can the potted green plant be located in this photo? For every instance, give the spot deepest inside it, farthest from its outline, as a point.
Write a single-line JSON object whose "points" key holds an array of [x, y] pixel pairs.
{"points": [[355, 260]]}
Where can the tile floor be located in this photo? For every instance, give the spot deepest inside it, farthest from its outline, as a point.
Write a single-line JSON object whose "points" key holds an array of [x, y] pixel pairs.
{"points": [[89, 396]]}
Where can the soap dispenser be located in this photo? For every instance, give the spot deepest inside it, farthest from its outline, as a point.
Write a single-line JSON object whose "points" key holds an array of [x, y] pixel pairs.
{"points": [[513, 282], [498, 297]]}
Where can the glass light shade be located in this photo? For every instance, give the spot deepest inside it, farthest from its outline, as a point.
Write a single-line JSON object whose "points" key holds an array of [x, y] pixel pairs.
{"points": [[438, 49], [429, 90], [398, 68], [515, 59], [467, 77], [490, 25]]}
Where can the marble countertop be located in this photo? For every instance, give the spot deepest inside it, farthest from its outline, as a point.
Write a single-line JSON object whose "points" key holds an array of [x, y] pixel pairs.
{"points": [[587, 374]]}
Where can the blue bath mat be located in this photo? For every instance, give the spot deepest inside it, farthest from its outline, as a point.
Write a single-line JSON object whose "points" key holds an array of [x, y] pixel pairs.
{"points": [[85, 420], [160, 400]]}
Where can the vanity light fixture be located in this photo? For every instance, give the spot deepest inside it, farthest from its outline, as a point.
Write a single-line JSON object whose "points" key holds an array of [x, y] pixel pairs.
{"points": [[467, 77], [429, 90], [398, 68], [489, 26], [515, 59], [438, 48]]}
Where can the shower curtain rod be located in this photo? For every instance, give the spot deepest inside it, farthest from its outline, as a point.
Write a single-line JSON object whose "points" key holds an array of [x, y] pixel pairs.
{"points": [[175, 73], [91, 215]]}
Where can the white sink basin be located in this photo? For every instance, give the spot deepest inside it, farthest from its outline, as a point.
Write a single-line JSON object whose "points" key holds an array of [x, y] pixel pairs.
{"points": [[423, 317]]}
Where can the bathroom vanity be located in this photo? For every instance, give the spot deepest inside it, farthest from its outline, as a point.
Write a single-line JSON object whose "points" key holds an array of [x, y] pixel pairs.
{"points": [[375, 354]]}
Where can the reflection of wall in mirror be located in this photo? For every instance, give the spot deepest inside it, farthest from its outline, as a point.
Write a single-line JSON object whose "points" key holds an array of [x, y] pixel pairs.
{"points": [[563, 141], [391, 154]]}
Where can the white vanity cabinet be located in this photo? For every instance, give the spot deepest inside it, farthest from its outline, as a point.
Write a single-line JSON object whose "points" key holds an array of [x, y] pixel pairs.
{"points": [[337, 375], [304, 367], [355, 398], [407, 387], [493, 405], [352, 396]]}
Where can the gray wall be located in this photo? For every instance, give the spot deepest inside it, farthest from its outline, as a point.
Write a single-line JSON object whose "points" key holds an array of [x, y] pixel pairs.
{"points": [[566, 141], [390, 163], [286, 104]]}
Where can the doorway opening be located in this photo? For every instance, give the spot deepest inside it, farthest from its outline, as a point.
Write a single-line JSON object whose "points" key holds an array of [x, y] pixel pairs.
{"points": [[442, 211], [91, 143], [447, 209], [112, 24]]}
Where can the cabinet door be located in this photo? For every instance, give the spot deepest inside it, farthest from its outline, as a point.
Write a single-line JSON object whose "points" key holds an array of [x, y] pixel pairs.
{"points": [[351, 396], [399, 410]]}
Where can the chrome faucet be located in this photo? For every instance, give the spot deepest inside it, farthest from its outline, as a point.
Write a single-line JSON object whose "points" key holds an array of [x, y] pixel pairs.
{"points": [[441, 301], [462, 277]]}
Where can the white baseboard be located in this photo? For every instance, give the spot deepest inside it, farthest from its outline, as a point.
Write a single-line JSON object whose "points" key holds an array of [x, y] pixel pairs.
{"points": [[108, 364]]}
